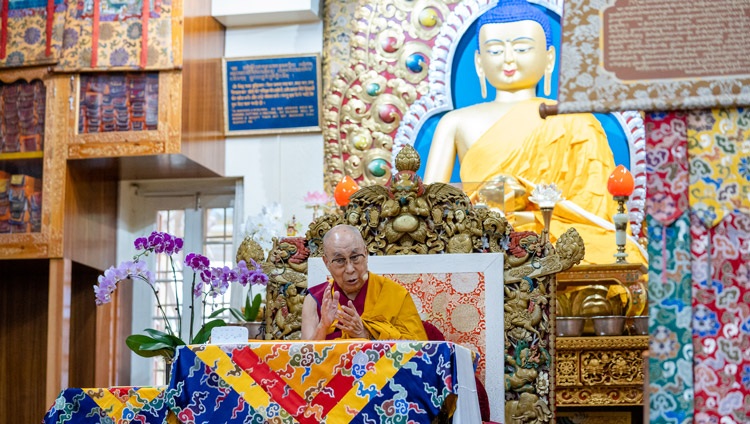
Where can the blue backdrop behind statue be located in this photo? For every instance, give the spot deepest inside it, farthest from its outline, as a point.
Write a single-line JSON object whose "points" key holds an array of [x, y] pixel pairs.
{"points": [[465, 91]]}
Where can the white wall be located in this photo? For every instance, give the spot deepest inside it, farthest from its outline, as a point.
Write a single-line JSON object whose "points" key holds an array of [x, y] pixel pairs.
{"points": [[279, 168]]}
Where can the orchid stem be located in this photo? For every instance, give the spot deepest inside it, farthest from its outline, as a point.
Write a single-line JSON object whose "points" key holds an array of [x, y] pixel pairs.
{"points": [[192, 308], [205, 296], [177, 298], [161, 309]]}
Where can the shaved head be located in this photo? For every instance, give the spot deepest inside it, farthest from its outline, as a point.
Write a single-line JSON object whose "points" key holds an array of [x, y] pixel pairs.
{"points": [[343, 231]]}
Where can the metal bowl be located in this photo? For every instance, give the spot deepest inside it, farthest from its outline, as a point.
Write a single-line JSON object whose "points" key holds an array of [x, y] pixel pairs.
{"points": [[608, 325], [640, 324], [569, 326]]}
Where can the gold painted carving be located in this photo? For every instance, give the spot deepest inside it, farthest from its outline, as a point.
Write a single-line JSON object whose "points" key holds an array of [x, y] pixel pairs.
{"points": [[363, 108], [598, 396], [599, 370], [610, 342], [580, 417], [286, 268]]}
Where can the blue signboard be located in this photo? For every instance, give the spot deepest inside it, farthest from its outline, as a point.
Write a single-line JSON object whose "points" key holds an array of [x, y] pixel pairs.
{"points": [[272, 94]]}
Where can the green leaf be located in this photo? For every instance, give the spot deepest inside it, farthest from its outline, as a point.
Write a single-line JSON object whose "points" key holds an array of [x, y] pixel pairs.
{"points": [[205, 332], [251, 312], [148, 347], [156, 346], [164, 337], [237, 315], [248, 305], [233, 311], [218, 312]]}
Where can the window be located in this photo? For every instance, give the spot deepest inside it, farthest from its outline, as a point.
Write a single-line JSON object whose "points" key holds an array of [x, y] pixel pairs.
{"points": [[205, 221]]}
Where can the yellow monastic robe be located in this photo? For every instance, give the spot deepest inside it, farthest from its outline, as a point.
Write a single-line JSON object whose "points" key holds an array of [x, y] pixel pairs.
{"points": [[568, 150], [389, 312]]}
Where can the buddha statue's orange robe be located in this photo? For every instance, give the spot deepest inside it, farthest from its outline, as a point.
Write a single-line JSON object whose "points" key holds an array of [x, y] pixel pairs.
{"points": [[568, 150]]}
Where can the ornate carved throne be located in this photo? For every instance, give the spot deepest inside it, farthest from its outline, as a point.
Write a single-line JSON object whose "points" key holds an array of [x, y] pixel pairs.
{"points": [[406, 217]]}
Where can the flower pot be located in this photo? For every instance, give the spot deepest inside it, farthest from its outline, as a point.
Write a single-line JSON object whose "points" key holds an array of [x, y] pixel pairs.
{"points": [[255, 329], [167, 370]]}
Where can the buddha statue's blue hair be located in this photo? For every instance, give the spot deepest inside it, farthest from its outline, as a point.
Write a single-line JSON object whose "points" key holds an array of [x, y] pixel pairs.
{"points": [[513, 11]]}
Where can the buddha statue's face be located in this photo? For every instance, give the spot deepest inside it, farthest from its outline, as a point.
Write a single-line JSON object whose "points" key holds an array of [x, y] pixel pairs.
{"points": [[513, 56]]}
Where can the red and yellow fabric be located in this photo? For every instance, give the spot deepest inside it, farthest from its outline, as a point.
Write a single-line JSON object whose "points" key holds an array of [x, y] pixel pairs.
{"points": [[116, 405], [707, 246], [313, 382], [122, 34], [31, 32], [719, 163]]}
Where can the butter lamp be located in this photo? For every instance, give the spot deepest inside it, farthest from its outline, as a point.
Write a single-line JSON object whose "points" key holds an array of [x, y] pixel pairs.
{"points": [[344, 189], [620, 185]]}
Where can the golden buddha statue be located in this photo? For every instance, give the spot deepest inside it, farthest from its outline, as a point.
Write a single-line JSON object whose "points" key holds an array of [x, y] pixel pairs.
{"points": [[507, 139]]}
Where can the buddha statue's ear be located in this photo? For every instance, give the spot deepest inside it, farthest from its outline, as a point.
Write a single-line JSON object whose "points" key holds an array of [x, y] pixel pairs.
{"points": [[551, 56], [480, 74]]}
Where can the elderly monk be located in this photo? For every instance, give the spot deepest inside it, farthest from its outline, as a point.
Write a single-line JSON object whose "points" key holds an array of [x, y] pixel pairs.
{"points": [[506, 138], [357, 304]]}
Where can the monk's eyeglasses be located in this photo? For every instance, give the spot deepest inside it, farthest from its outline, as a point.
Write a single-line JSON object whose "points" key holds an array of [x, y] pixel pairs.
{"points": [[354, 259]]}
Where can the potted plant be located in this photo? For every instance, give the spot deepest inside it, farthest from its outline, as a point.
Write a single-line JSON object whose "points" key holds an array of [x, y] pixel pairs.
{"points": [[206, 281]]}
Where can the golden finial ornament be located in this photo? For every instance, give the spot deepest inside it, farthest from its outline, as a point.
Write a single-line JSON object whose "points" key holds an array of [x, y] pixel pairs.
{"points": [[407, 159], [250, 249]]}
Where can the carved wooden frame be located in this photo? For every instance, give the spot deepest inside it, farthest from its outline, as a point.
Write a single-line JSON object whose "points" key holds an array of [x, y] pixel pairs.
{"points": [[48, 243], [166, 139]]}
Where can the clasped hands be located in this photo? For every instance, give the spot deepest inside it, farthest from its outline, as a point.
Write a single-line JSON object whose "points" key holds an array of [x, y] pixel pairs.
{"points": [[348, 320]]}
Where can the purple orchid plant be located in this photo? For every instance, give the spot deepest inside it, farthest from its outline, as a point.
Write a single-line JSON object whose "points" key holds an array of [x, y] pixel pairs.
{"points": [[254, 277], [207, 281]]}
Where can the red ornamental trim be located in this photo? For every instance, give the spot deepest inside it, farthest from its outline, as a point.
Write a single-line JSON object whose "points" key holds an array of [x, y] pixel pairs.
{"points": [[144, 33], [50, 21], [4, 32], [95, 35]]}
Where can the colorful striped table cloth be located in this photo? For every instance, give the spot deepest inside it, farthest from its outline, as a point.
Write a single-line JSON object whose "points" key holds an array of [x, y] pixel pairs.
{"points": [[322, 382], [116, 405]]}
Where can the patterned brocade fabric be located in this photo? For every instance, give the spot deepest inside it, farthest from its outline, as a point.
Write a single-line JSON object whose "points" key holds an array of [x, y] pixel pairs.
{"points": [[80, 35], [33, 32], [303, 382], [716, 265], [120, 34], [454, 303], [116, 405], [667, 166], [719, 157], [670, 346], [719, 150], [721, 319], [670, 283]]}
